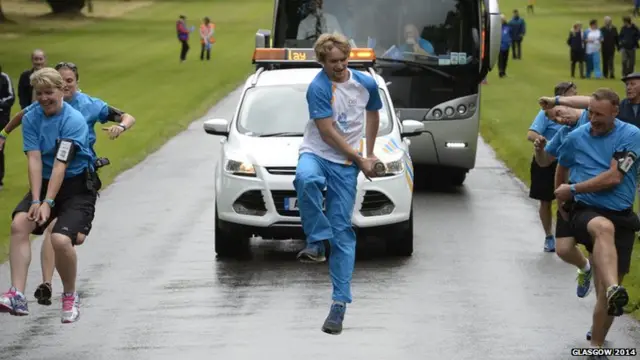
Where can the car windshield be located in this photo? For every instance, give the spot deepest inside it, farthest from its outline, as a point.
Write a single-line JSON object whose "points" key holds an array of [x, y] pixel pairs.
{"points": [[282, 111], [437, 33]]}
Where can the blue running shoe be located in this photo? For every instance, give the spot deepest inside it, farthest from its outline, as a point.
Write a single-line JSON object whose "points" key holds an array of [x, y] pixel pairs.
{"points": [[584, 283], [14, 303], [313, 253], [333, 324], [550, 244]]}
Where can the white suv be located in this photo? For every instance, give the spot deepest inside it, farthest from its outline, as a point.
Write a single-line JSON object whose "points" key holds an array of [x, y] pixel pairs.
{"points": [[255, 172]]}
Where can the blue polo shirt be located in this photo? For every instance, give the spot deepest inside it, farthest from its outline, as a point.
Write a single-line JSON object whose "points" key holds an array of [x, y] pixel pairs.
{"points": [[554, 145], [587, 155], [93, 109], [544, 126], [41, 133]]}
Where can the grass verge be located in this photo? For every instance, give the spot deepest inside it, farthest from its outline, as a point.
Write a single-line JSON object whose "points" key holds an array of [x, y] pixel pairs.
{"points": [[509, 105], [128, 55]]}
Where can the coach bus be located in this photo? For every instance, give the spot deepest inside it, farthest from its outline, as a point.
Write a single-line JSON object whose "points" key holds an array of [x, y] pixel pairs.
{"points": [[434, 55]]}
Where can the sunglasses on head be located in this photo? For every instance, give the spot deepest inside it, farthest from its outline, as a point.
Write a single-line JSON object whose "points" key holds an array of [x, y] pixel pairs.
{"points": [[69, 65]]}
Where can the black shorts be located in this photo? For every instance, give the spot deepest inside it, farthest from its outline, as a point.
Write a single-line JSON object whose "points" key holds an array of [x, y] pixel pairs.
{"points": [[542, 181], [563, 227], [74, 208], [626, 225]]}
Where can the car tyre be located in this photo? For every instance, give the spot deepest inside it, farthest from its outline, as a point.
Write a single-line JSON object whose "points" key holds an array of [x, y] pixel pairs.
{"points": [[402, 245], [229, 243], [457, 177]]}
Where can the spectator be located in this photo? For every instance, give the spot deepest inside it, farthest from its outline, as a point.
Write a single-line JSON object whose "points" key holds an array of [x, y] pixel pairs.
{"points": [[530, 6], [7, 99], [518, 29], [25, 90], [505, 44], [183, 36], [593, 44], [576, 44], [628, 42], [609, 47], [206, 38]]}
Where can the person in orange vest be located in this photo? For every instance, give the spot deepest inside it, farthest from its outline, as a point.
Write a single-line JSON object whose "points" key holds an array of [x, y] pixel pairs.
{"points": [[206, 37]]}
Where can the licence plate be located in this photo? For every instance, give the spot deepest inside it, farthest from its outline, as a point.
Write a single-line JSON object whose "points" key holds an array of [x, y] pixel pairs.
{"points": [[291, 204]]}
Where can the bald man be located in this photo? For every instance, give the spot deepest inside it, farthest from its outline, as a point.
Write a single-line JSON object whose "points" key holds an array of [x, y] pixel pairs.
{"points": [[609, 47], [25, 90]]}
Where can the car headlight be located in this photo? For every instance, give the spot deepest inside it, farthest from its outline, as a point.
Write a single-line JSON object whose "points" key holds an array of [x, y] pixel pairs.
{"points": [[239, 168], [394, 167]]}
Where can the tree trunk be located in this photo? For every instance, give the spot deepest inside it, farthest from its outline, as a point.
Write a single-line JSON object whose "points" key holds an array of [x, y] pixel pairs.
{"points": [[3, 18], [66, 6]]}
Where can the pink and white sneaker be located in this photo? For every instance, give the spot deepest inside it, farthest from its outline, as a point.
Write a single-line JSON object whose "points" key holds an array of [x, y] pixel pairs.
{"points": [[70, 308], [14, 303]]}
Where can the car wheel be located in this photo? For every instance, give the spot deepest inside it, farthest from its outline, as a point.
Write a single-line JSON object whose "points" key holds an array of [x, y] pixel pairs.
{"points": [[457, 177], [402, 245], [229, 243]]}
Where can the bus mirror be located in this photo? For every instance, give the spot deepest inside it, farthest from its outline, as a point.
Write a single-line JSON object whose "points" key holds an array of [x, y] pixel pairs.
{"points": [[263, 38], [411, 128]]}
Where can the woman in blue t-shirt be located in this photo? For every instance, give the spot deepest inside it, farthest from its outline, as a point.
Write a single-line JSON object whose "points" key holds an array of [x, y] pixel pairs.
{"points": [[61, 177], [94, 110]]}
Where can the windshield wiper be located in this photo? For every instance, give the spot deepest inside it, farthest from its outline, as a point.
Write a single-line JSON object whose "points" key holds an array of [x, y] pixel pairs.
{"points": [[419, 65], [281, 134]]}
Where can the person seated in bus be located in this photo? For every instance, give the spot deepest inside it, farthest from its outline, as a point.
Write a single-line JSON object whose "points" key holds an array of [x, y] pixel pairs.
{"points": [[414, 43], [317, 23]]}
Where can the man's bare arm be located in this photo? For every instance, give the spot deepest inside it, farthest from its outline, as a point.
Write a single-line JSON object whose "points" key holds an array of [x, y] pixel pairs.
{"points": [[373, 123], [533, 136], [576, 102], [561, 177]]}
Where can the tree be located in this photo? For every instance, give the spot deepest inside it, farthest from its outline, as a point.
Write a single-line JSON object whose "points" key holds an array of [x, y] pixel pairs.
{"points": [[66, 6], [3, 18]]}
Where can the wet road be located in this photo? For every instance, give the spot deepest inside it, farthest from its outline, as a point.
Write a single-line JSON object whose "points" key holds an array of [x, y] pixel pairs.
{"points": [[478, 285]]}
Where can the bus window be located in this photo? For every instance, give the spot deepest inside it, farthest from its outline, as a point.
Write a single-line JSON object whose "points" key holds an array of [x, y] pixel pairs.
{"points": [[419, 29]]}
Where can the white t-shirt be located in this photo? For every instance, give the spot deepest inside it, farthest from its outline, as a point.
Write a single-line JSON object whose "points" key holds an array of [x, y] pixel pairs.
{"points": [[307, 27], [347, 104], [593, 38]]}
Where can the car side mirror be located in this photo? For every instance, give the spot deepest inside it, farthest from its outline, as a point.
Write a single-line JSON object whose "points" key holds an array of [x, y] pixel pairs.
{"points": [[216, 127], [411, 128]]}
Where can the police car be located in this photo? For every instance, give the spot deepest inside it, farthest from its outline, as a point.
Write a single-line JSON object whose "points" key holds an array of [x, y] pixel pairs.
{"points": [[254, 192]]}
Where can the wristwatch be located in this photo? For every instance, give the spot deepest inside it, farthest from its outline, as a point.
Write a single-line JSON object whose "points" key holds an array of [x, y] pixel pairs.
{"points": [[50, 202], [124, 128], [557, 100], [573, 189]]}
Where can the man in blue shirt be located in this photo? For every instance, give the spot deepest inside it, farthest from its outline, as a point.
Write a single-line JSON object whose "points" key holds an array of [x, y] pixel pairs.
{"points": [[600, 158], [94, 110], [330, 157], [505, 45], [62, 187], [542, 177], [546, 153]]}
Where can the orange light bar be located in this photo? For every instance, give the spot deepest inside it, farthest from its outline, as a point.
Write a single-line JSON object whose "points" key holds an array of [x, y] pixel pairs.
{"points": [[305, 55], [482, 45], [269, 54]]}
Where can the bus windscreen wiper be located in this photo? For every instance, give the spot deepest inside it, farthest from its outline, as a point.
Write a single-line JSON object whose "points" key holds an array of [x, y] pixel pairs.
{"points": [[281, 134], [420, 65]]}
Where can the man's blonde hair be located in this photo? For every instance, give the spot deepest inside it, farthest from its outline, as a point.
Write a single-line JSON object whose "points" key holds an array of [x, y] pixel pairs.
{"points": [[47, 77], [327, 42]]}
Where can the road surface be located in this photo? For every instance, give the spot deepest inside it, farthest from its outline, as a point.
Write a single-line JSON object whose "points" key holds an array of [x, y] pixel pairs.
{"points": [[478, 285]]}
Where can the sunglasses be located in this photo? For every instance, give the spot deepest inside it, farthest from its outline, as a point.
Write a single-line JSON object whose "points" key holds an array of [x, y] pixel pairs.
{"points": [[69, 65]]}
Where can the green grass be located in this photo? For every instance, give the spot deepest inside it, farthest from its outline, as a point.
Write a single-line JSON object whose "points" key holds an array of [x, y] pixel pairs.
{"points": [[132, 62], [509, 105]]}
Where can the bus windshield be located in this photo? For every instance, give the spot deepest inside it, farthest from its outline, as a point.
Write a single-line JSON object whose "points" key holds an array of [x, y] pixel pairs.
{"points": [[433, 32]]}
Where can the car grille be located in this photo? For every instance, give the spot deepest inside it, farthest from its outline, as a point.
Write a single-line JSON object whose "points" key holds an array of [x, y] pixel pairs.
{"points": [[250, 203], [278, 200], [281, 170], [374, 202]]}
